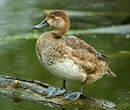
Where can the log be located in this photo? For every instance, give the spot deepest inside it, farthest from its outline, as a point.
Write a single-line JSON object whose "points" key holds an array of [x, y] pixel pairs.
{"points": [[34, 91]]}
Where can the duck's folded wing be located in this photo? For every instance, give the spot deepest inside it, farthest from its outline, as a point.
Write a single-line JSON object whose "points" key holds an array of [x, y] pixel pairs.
{"points": [[79, 44], [90, 63]]}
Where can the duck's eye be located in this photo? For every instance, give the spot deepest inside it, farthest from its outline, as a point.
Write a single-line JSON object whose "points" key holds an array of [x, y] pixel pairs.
{"points": [[52, 16]]}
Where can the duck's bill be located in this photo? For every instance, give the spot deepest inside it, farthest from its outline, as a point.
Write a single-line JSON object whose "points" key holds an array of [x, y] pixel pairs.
{"points": [[42, 24]]}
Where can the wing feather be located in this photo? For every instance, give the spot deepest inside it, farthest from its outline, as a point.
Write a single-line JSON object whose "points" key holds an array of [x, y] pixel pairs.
{"points": [[87, 57], [81, 45]]}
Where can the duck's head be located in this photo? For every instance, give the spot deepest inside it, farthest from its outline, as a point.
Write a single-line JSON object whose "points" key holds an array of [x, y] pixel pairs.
{"points": [[56, 19]]}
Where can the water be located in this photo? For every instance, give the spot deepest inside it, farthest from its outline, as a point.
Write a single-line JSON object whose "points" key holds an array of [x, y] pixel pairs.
{"points": [[18, 57]]}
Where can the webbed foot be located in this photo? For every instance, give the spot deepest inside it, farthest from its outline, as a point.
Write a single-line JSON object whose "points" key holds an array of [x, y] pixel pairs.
{"points": [[72, 96], [68, 95], [52, 91]]}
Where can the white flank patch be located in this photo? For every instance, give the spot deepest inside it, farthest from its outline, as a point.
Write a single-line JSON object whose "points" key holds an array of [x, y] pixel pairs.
{"points": [[67, 70]]}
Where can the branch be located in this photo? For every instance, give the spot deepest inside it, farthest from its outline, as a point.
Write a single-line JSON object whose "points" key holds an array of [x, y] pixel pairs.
{"points": [[35, 91]]}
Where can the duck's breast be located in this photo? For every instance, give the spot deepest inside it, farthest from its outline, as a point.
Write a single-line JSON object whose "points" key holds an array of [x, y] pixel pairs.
{"points": [[67, 69]]}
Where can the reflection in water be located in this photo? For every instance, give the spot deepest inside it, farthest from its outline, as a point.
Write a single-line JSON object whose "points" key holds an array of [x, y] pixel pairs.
{"points": [[18, 57]]}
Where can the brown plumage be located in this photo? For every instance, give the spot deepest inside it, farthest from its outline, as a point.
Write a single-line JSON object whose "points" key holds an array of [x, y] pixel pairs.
{"points": [[69, 57], [82, 47]]}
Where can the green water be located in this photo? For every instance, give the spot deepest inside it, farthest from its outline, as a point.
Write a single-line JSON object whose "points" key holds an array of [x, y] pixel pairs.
{"points": [[18, 57]]}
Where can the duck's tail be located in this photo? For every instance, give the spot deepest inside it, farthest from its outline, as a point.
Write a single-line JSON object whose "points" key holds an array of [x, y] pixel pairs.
{"points": [[110, 73]]}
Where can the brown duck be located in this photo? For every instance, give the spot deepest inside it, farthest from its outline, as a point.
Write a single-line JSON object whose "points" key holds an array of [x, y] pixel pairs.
{"points": [[69, 57]]}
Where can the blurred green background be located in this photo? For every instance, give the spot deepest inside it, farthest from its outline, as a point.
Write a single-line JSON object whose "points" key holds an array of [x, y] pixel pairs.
{"points": [[17, 45]]}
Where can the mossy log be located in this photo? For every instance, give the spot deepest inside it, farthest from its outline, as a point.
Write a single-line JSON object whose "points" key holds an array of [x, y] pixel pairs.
{"points": [[30, 90]]}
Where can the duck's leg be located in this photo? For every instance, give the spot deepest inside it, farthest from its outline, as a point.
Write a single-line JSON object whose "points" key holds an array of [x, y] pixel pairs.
{"points": [[57, 91], [62, 90], [81, 89], [63, 84], [75, 95]]}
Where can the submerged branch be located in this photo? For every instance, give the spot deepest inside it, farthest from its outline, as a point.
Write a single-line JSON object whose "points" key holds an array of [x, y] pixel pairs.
{"points": [[35, 91]]}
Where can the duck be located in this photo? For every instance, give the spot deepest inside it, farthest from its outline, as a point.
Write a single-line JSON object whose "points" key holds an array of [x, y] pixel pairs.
{"points": [[69, 57]]}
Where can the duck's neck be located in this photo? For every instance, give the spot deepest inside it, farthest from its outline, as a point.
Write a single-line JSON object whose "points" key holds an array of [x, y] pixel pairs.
{"points": [[60, 32]]}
